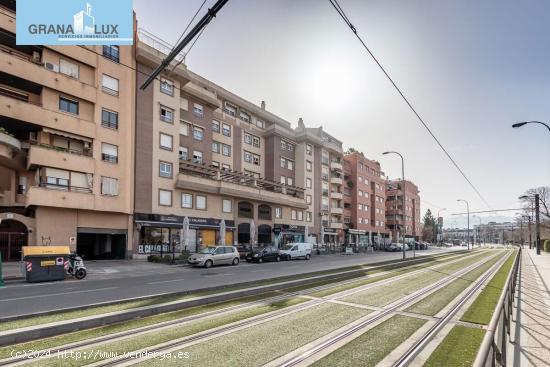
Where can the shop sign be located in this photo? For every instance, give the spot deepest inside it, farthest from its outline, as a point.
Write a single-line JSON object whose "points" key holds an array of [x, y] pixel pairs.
{"points": [[148, 249], [288, 228]]}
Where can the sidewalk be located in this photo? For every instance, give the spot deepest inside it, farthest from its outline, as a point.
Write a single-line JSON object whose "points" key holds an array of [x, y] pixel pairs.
{"points": [[531, 318]]}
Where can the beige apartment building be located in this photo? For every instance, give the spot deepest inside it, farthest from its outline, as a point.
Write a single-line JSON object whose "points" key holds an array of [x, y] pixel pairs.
{"points": [[66, 146], [206, 154], [403, 220]]}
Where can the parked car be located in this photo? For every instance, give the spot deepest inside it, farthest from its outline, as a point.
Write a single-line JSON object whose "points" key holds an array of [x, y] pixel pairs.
{"points": [[217, 255], [296, 250], [267, 253], [394, 247], [243, 251]]}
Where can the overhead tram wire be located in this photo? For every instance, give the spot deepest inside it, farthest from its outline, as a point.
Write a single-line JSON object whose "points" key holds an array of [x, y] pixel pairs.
{"points": [[343, 15]]}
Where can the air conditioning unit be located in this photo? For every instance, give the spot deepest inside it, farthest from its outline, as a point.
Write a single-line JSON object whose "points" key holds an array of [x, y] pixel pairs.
{"points": [[36, 56], [52, 67]]}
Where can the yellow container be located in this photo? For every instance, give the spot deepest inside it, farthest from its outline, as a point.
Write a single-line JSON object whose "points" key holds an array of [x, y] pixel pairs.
{"points": [[44, 250]]}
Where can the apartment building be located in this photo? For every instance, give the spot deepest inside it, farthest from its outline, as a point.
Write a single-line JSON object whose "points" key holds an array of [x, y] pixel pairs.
{"points": [[320, 171], [401, 220], [364, 201], [208, 155], [66, 145]]}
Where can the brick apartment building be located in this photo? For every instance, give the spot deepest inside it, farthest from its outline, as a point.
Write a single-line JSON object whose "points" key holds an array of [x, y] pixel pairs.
{"points": [[66, 145], [398, 217]]}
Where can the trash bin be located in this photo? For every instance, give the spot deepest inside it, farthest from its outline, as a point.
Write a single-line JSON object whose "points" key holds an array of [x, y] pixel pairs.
{"points": [[44, 263]]}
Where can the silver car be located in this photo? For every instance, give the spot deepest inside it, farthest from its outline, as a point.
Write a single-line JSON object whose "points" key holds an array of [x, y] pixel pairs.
{"points": [[217, 255]]}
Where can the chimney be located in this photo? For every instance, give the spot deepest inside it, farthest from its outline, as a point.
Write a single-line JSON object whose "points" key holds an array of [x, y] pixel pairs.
{"points": [[301, 123], [263, 105]]}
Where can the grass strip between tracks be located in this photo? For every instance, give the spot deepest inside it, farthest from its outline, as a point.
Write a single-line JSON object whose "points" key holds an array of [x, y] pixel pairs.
{"points": [[155, 300], [260, 344], [372, 346], [438, 300], [162, 336], [481, 310], [458, 348]]}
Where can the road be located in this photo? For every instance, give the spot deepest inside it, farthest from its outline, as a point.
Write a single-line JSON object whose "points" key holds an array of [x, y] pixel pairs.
{"points": [[136, 279]]}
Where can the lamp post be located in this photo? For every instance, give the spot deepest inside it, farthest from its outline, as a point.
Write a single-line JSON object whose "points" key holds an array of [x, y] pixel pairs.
{"points": [[537, 218], [520, 124], [437, 226], [529, 228], [468, 210], [403, 188]]}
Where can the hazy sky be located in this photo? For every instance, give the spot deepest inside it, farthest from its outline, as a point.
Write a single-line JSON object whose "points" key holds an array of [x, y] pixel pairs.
{"points": [[470, 67]]}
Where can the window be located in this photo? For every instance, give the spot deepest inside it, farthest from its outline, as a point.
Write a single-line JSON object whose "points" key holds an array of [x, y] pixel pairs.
{"points": [[256, 159], [109, 85], [68, 68], [197, 156], [184, 128], [166, 87], [112, 53], [289, 147], [215, 164], [200, 202], [278, 212], [256, 141], [300, 215], [216, 147], [308, 216], [309, 166], [360, 220], [360, 178], [308, 183], [293, 214], [227, 206], [198, 133], [183, 153], [68, 105], [264, 212], [215, 126], [309, 149], [365, 207], [308, 199], [244, 116], [360, 206], [290, 165], [226, 150], [226, 167], [166, 114], [283, 162], [109, 119], [289, 181], [260, 124], [360, 193], [166, 141], [198, 110], [248, 138], [165, 169], [245, 210], [283, 145], [186, 200], [165, 197], [109, 186], [109, 153], [226, 130], [283, 180], [230, 109], [248, 157]]}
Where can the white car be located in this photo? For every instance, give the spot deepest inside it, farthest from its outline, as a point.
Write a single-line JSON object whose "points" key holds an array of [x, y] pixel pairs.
{"points": [[218, 255], [296, 250]]}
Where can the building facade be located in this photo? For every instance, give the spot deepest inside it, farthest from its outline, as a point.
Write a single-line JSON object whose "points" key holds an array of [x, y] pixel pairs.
{"points": [[66, 146], [207, 154], [403, 220], [364, 201]]}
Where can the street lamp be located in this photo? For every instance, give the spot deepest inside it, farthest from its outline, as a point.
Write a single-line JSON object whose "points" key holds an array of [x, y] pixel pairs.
{"points": [[437, 226], [404, 193], [468, 210], [520, 124], [537, 217]]}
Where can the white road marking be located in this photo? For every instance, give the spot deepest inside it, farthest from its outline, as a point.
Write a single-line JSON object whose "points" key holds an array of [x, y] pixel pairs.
{"points": [[56, 294], [166, 281]]}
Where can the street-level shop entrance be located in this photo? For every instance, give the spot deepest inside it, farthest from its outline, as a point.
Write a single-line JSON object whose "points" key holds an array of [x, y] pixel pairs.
{"points": [[101, 244], [13, 235]]}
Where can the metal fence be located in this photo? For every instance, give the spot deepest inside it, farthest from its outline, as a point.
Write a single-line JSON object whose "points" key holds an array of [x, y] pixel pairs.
{"points": [[493, 348]]}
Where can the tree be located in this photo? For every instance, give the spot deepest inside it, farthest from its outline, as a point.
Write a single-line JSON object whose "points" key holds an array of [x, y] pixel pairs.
{"points": [[429, 226]]}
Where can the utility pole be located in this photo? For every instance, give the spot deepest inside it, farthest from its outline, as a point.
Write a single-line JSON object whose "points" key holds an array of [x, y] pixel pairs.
{"points": [[537, 220]]}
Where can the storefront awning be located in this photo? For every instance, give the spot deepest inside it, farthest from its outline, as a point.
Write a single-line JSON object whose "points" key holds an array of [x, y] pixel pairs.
{"points": [[148, 223]]}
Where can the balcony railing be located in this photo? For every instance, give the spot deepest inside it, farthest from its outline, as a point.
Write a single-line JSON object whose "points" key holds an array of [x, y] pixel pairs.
{"points": [[64, 187], [87, 152], [239, 178]]}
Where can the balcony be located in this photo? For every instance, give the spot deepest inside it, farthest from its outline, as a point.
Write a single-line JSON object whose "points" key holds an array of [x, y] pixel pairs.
{"points": [[43, 155], [9, 145], [336, 180], [60, 196], [335, 210], [199, 177], [336, 195], [202, 94], [34, 113], [6, 21], [336, 166], [15, 64]]}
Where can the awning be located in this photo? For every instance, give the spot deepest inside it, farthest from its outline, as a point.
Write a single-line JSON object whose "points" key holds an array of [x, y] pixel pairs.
{"points": [[66, 134], [356, 231], [148, 223]]}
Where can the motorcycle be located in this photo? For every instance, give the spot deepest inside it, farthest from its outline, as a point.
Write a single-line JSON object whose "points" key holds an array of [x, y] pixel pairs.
{"points": [[76, 266]]}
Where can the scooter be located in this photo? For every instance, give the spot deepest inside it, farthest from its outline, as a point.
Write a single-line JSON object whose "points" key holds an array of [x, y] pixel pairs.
{"points": [[76, 266]]}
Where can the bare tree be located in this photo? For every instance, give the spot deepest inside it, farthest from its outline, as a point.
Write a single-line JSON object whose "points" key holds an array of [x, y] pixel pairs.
{"points": [[544, 197]]}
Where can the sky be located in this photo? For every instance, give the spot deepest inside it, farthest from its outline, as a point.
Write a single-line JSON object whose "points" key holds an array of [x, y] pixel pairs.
{"points": [[471, 69]]}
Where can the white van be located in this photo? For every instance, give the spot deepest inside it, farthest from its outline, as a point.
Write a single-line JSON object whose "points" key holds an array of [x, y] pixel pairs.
{"points": [[296, 250]]}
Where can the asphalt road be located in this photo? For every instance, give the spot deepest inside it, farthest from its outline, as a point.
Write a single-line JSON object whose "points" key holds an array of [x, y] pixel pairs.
{"points": [[113, 281]]}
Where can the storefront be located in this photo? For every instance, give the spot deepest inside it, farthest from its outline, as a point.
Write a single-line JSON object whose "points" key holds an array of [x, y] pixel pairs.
{"points": [[288, 233], [330, 236], [357, 239], [161, 233]]}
